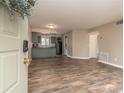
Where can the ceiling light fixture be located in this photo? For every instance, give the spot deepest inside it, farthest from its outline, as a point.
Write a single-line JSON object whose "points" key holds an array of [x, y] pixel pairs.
{"points": [[51, 26]]}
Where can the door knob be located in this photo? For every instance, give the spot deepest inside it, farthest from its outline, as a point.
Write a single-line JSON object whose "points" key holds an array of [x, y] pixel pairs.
{"points": [[26, 61]]}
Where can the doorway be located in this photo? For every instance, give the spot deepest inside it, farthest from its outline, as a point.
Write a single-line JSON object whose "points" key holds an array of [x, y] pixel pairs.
{"points": [[59, 46], [93, 44]]}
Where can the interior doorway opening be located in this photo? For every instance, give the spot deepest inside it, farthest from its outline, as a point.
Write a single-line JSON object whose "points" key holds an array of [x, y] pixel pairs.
{"points": [[59, 46]]}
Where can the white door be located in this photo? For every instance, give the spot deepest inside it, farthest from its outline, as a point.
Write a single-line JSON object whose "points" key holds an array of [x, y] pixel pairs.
{"points": [[13, 73], [93, 45]]}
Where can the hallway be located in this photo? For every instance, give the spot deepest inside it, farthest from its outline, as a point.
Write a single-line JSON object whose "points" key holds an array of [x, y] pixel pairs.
{"points": [[65, 75]]}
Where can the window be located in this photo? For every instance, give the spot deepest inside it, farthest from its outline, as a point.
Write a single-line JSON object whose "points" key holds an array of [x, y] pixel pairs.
{"points": [[45, 41]]}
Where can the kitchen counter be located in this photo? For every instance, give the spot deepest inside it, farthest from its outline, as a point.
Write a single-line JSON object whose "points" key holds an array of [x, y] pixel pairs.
{"points": [[43, 47], [43, 52]]}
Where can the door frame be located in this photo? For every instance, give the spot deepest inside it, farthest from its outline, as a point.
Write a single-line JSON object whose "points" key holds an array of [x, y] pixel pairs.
{"points": [[93, 34]]}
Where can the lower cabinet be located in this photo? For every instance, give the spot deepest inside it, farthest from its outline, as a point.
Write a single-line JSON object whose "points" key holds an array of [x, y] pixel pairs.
{"points": [[43, 52]]}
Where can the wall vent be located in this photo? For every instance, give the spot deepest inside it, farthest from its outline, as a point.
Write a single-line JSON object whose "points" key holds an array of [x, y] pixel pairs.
{"points": [[104, 57], [119, 22]]}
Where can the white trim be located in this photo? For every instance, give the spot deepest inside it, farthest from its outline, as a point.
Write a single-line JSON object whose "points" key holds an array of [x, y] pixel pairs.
{"points": [[68, 56], [81, 57], [114, 65], [77, 57], [94, 33]]}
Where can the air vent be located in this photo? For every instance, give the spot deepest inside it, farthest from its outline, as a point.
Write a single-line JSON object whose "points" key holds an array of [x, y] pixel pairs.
{"points": [[119, 22], [104, 57]]}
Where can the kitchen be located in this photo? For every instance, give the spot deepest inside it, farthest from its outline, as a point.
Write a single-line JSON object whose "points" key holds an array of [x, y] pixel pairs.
{"points": [[46, 45]]}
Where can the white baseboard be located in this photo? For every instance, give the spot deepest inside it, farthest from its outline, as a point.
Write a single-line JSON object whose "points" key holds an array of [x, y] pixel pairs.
{"points": [[78, 57], [69, 56], [114, 65]]}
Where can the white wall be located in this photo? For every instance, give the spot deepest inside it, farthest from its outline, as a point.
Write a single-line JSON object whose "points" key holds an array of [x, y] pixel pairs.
{"points": [[80, 44]]}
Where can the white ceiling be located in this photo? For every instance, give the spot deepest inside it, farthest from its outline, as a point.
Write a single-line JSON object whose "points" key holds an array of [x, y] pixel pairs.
{"points": [[75, 14]]}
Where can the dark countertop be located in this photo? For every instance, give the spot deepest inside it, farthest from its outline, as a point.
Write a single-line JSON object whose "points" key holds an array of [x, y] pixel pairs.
{"points": [[42, 47]]}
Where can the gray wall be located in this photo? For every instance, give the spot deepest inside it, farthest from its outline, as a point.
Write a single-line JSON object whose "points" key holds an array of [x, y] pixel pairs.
{"points": [[111, 41], [78, 43]]}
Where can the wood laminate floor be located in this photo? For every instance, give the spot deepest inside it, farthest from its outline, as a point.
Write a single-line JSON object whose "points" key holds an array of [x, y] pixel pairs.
{"points": [[64, 75]]}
